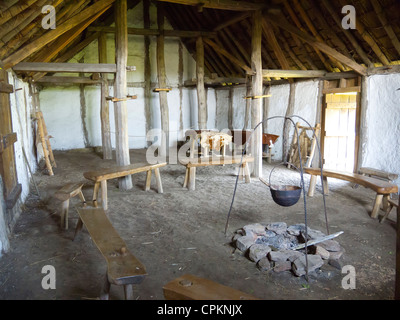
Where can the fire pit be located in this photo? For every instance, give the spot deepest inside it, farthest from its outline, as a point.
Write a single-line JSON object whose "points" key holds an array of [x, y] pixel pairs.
{"points": [[273, 247]]}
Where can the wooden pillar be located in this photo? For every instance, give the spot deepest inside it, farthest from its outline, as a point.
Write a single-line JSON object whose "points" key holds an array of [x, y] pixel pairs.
{"points": [[257, 84], [162, 82], [247, 115], [201, 94], [147, 69], [104, 106], [120, 90]]}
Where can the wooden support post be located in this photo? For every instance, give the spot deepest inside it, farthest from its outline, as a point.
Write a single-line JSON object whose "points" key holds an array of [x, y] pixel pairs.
{"points": [[257, 83], [147, 69], [201, 94], [120, 89], [104, 108], [162, 82]]}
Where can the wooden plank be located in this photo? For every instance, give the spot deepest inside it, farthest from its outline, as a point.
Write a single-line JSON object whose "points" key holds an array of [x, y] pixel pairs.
{"points": [[120, 91], [293, 73], [67, 80], [225, 53], [156, 32], [220, 4], [257, 86], [342, 90], [379, 186], [6, 88], [65, 67], [122, 266], [189, 287], [120, 171], [201, 94], [52, 34], [162, 82], [104, 104], [317, 44]]}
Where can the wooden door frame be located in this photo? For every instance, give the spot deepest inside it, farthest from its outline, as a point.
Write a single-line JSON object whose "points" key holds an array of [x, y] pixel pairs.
{"points": [[357, 127]]}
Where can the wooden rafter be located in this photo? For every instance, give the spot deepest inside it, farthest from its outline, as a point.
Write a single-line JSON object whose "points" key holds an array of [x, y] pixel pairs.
{"points": [[317, 44], [386, 24], [51, 35], [219, 4]]}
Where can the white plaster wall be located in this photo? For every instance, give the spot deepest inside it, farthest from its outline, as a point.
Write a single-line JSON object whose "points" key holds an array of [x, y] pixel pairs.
{"points": [[238, 108], [61, 106], [382, 148], [20, 104]]}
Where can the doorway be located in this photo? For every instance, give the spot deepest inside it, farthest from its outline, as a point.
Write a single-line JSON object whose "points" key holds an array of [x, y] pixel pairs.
{"points": [[340, 131]]}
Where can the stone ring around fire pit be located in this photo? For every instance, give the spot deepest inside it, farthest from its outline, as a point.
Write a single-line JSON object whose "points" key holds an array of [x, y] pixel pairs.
{"points": [[271, 245]]}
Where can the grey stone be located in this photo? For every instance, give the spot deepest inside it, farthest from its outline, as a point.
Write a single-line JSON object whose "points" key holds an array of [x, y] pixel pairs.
{"points": [[336, 255], [331, 245], [236, 236], [299, 265], [244, 242], [255, 228], [277, 227], [282, 266], [284, 255], [279, 242], [322, 252], [315, 234], [258, 251], [336, 264], [296, 229], [264, 264]]}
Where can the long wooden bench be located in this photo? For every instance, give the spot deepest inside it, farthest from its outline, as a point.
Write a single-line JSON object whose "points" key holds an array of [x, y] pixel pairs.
{"points": [[100, 178], [192, 163], [123, 268], [190, 287], [382, 188]]}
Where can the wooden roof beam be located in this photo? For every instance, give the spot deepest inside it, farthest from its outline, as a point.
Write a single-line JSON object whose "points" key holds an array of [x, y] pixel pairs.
{"points": [[360, 51], [155, 32], [52, 34], [64, 67], [293, 73], [316, 43], [220, 4], [230, 57], [386, 25]]}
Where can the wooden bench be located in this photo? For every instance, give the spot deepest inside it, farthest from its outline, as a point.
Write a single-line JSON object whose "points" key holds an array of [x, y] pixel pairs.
{"points": [[382, 188], [190, 287], [100, 178], [123, 268], [67, 192], [192, 163]]}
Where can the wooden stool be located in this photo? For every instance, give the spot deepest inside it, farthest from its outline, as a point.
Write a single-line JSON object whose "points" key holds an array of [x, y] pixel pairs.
{"points": [[389, 208], [64, 194]]}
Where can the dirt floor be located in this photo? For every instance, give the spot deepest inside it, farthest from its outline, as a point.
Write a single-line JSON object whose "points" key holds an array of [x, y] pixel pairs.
{"points": [[181, 231]]}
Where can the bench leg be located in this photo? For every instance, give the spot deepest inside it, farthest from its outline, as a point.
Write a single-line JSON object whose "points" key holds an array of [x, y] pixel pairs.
{"points": [[377, 206], [105, 290], [78, 228], [385, 202], [81, 196], [192, 179], [104, 194], [247, 172], [387, 212], [148, 181], [95, 193], [64, 214], [158, 179], [128, 292], [311, 188], [241, 172], [185, 182], [326, 187]]}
